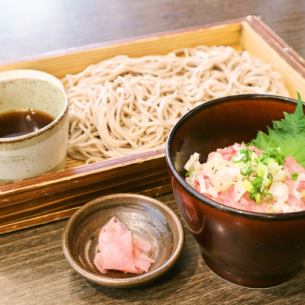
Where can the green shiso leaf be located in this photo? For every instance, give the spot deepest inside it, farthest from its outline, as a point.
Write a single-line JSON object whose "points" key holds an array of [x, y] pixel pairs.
{"points": [[288, 134]]}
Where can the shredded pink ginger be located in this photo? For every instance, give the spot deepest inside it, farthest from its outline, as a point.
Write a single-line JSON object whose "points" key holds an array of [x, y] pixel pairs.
{"points": [[119, 249]]}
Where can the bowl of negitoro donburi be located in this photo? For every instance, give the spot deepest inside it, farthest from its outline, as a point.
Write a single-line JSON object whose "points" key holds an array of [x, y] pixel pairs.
{"points": [[237, 172]]}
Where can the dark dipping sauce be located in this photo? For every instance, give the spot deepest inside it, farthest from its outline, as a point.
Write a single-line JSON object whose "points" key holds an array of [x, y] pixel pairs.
{"points": [[21, 122]]}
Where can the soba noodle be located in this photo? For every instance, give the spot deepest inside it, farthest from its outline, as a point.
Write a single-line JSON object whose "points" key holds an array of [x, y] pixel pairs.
{"points": [[124, 105]]}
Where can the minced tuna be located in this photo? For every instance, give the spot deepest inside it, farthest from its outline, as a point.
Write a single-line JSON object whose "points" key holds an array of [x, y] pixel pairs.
{"points": [[247, 178]]}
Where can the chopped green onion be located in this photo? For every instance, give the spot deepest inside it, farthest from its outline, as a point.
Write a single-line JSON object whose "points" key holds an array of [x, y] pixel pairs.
{"points": [[261, 169], [238, 158], [243, 155], [255, 194], [245, 171], [257, 183], [268, 196], [252, 175], [187, 173], [294, 176], [258, 198], [247, 185], [274, 153]]}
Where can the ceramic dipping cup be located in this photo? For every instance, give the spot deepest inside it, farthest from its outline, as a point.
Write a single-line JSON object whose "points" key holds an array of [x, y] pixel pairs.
{"points": [[42, 150]]}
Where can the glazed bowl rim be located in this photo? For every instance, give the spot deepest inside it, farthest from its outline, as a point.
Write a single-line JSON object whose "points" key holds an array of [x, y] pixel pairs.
{"points": [[139, 279], [210, 202]]}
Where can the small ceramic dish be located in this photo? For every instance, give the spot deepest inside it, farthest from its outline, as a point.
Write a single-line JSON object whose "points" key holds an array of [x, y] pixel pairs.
{"points": [[144, 216]]}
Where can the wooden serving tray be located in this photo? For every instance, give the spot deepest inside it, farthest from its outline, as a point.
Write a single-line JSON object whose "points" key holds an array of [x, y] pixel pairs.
{"points": [[57, 195]]}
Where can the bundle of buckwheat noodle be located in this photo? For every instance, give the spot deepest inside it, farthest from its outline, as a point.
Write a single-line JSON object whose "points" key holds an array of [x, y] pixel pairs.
{"points": [[125, 105]]}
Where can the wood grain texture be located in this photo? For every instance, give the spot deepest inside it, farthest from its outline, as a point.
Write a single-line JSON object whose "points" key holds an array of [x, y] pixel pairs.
{"points": [[46, 195], [33, 270]]}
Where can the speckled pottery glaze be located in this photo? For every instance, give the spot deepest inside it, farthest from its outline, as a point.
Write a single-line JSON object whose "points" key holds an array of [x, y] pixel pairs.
{"points": [[43, 150]]}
